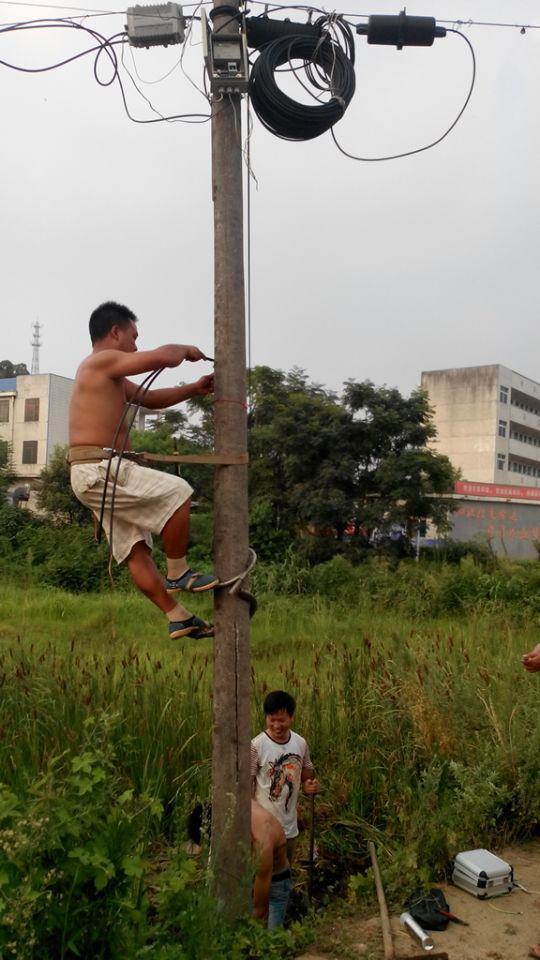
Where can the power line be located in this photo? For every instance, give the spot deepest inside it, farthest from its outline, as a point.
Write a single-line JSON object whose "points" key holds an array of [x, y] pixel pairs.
{"points": [[456, 21], [106, 46], [410, 153]]}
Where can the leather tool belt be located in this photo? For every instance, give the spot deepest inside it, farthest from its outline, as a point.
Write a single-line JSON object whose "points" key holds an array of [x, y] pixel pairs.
{"points": [[89, 454]]}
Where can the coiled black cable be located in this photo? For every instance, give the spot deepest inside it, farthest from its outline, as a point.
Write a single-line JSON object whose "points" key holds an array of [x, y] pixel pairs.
{"points": [[329, 68], [133, 408]]}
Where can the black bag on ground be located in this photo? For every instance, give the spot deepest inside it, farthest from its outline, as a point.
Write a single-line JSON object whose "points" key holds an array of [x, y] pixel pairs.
{"points": [[423, 905]]}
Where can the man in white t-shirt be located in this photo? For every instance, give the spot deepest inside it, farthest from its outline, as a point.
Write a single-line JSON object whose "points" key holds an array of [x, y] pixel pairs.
{"points": [[280, 765]]}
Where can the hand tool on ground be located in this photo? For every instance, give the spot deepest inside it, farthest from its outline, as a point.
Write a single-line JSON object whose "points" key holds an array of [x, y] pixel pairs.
{"points": [[311, 845], [416, 931], [388, 946], [452, 917]]}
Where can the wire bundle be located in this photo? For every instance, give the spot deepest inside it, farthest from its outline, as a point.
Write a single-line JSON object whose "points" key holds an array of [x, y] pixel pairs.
{"points": [[329, 68]]}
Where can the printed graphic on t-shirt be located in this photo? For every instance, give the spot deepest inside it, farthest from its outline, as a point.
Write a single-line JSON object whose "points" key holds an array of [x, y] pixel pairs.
{"points": [[285, 773]]}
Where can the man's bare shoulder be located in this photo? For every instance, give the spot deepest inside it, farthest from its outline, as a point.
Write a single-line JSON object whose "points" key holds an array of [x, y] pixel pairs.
{"points": [[94, 363]]}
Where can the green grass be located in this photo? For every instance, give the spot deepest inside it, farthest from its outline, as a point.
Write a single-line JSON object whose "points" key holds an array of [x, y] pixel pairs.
{"points": [[425, 732]]}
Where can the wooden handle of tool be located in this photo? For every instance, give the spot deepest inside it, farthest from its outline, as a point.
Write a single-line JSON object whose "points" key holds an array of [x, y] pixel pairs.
{"points": [[388, 946]]}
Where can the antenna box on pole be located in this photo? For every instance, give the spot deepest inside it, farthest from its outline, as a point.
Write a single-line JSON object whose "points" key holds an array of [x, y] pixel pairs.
{"points": [[155, 25]]}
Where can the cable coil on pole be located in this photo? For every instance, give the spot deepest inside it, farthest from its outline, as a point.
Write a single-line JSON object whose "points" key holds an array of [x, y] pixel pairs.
{"points": [[328, 63]]}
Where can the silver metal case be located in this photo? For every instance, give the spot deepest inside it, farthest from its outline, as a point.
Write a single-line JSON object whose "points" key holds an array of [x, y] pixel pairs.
{"points": [[482, 873]]}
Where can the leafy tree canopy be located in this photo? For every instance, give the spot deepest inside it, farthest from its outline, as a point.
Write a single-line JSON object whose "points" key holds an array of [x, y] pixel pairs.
{"points": [[321, 461], [9, 369], [55, 496]]}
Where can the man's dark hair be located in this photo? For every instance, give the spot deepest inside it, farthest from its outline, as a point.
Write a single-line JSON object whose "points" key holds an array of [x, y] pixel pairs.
{"points": [[279, 700], [107, 316]]}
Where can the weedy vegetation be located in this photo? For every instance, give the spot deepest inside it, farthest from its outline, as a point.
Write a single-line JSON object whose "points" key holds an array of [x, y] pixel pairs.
{"points": [[422, 723]]}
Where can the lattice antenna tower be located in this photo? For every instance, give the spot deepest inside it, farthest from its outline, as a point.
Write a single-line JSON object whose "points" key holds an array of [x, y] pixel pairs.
{"points": [[36, 343]]}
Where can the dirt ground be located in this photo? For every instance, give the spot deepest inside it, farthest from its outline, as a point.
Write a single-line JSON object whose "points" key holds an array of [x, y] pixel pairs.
{"points": [[502, 928]]}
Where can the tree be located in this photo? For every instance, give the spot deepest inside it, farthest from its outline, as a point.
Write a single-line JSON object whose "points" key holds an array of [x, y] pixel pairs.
{"points": [[9, 369], [55, 496], [7, 475], [320, 463], [399, 479], [170, 422], [301, 463]]}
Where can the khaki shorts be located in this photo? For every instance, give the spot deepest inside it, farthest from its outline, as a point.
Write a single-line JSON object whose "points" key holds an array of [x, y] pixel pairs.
{"points": [[144, 500]]}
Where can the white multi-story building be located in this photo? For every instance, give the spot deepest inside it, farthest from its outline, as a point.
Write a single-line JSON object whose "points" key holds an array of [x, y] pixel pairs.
{"points": [[488, 422], [34, 419]]}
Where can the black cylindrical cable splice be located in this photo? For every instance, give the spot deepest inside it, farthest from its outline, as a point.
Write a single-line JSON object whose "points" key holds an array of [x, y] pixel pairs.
{"points": [[401, 30]]}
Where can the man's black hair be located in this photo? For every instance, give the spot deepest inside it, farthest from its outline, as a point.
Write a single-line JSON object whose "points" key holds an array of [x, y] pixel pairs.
{"points": [[107, 316], [279, 700]]}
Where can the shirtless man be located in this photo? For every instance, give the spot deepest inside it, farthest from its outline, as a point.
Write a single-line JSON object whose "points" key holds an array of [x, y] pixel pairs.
{"points": [[147, 501], [531, 662], [272, 883]]}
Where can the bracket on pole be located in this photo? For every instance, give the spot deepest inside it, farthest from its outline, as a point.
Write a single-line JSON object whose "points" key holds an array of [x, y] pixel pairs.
{"points": [[218, 459]]}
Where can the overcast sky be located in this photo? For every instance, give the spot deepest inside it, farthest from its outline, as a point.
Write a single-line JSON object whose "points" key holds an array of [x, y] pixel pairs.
{"points": [[359, 270]]}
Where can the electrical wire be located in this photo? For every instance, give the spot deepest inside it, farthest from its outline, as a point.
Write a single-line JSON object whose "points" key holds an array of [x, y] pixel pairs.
{"points": [[458, 21], [138, 397], [104, 46], [139, 91], [187, 39], [144, 387], [141, 79], [410, 153], [329, 67]]}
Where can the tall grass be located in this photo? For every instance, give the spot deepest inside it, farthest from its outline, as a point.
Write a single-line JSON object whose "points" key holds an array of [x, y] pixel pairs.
{"points": [[424, 728], [404, 714]]}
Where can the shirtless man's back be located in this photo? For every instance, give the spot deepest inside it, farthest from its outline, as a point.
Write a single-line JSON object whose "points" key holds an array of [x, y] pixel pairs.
{"points": [[146, 501], [272, 886]]}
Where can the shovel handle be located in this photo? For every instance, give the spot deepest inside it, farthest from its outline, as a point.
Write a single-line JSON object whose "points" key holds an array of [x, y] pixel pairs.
{"points": [[311, 845], [388, 945]]}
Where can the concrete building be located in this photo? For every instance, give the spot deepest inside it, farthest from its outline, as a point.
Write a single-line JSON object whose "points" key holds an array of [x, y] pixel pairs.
{"points": [[488, 424], [34, 419]]}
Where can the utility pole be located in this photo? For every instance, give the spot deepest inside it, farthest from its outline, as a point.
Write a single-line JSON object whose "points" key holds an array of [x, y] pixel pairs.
{"points": [[227, 64], [231, 786]]}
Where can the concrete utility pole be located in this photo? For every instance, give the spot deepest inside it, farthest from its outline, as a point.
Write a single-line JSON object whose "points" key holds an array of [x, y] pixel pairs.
{"points": [[231, 794]]}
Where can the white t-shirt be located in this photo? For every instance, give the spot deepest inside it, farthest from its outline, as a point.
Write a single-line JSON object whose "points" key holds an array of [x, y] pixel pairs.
{"points": [[277, 769]]}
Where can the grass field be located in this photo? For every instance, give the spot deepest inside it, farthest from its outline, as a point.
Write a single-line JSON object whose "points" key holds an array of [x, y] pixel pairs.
{"points": [[425, 733]]}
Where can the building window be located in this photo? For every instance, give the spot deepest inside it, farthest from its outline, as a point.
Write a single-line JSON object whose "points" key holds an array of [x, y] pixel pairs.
{"points": [[29, 451], [501, 461], [31, 410], [4, 410], [503, 394], [502, 428]]}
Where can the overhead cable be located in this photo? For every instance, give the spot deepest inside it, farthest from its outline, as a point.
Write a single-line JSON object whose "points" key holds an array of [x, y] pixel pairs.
{"points": [[326, 59], [104, 46], [410, 153]]}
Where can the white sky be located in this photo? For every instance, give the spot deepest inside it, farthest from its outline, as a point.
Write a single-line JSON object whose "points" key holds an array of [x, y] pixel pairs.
{"points": [[358, 270]]}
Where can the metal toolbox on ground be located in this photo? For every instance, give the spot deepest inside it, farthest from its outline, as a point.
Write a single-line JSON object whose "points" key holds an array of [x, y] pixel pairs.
{"points": [[482, 874]]}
